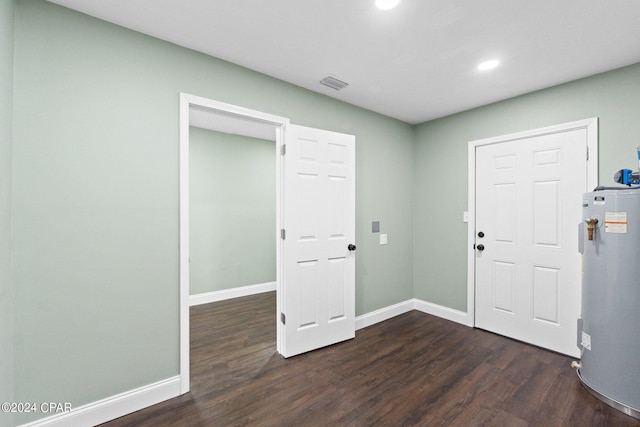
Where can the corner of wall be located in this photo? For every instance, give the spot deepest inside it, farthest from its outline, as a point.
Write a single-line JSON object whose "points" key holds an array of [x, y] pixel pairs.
{"points": [[7, 17]]}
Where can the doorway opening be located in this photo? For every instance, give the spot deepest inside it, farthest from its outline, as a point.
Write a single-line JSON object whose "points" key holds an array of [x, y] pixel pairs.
{"points": [[204, 113], [232, 209]]}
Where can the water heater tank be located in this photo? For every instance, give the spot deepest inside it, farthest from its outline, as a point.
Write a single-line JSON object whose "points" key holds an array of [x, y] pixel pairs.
{"points": [[609, 330]]}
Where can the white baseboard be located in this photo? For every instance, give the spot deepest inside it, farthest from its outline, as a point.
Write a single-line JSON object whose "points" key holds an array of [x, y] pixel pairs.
{"points": [[113, 407], [383, 314], [243, 291], [387, 313], [441, 311]]}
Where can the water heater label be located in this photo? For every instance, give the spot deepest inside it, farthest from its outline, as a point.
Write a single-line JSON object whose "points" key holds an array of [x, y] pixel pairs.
{"points": [[615, 222]]}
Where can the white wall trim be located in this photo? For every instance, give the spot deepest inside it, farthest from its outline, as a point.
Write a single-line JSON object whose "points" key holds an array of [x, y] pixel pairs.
{"points": [[589, 125], [383, 314], [113, 407], [441, 311], [224, 294], [394, 310]]}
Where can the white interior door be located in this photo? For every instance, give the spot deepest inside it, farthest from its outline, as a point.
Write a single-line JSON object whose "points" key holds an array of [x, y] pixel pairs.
{"points": [[317, 298], [528, 269]]}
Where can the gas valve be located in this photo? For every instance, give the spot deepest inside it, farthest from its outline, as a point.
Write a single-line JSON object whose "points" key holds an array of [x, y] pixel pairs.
{"points": [[591, 226]]}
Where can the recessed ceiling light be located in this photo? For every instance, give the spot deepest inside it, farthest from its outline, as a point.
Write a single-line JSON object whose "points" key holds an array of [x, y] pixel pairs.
{"points": [[386, 4], [488, 65]]}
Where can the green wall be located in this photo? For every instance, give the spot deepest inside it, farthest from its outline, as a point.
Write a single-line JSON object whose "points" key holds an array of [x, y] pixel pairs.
{"points": [[232, 211], [440, 238], [6, 135], [96, 198]]}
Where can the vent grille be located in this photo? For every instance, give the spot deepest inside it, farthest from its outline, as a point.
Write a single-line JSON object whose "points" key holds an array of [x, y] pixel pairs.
{"points": [[334, 83]]}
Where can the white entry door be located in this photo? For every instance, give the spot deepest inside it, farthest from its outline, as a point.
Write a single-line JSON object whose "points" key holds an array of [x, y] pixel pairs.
{"points": [[317, 301], [528, 207]]}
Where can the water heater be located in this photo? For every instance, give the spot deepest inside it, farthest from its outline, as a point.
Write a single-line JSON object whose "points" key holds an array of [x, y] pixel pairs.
{"points": [[609, 330]]}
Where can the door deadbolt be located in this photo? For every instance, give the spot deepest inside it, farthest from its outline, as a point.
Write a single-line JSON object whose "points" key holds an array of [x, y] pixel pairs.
{"points": [[481, 234]]}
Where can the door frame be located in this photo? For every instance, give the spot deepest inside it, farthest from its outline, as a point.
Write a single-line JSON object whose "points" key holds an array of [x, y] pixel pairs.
{"points": [[186, 103], [591, 127]]}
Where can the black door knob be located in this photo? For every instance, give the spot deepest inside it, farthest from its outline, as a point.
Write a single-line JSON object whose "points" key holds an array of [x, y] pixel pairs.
{"points": [[480, 247], [351, 247]]}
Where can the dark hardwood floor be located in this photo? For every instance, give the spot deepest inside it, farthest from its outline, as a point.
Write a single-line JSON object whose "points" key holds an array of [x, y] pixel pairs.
{"points": [[414, 369]]}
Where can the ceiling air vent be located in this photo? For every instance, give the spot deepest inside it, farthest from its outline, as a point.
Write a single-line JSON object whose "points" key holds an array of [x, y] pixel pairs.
{"points": [[334, 83]]}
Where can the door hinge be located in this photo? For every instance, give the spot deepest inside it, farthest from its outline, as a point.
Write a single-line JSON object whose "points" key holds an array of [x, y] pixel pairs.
{"points": [[283, 234], [283, 149], [283, 318]]}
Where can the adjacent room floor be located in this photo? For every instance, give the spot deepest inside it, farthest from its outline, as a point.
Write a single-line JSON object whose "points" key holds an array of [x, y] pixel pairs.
{"points": [[414, 369]]}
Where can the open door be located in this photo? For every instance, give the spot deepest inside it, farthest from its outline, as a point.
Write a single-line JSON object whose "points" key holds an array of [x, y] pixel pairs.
{"points": [[317, 289]]}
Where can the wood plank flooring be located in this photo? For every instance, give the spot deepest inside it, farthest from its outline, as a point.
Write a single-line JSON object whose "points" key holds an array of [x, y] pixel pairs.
{"points": [[412, 370]]}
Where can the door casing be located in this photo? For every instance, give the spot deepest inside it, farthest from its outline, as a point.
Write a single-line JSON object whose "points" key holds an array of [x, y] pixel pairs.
{"points": [[187, 102], [591, 127]]}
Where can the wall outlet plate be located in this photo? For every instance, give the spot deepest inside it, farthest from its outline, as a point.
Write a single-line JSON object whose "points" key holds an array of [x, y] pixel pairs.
{"points": [[383, 239]]}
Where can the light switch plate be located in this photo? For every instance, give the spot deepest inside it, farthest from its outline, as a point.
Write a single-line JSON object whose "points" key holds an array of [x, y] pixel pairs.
{"points": [[383, 239]]}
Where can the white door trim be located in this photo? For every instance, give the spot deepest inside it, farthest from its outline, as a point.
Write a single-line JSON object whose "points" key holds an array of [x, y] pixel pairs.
{"points": [[186, 102], [590, 125]]}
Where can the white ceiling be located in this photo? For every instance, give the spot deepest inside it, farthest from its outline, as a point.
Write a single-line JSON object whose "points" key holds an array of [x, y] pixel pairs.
{"points": [[416, 62]]}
